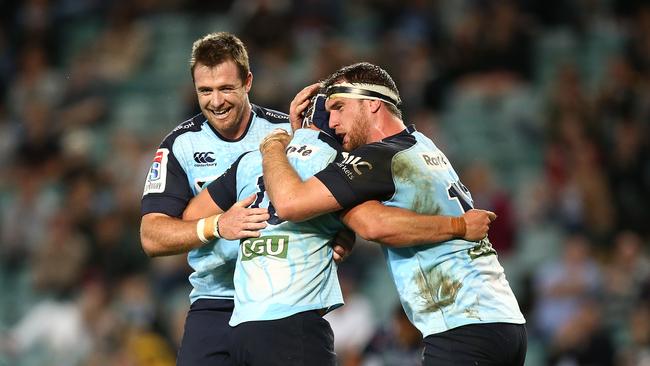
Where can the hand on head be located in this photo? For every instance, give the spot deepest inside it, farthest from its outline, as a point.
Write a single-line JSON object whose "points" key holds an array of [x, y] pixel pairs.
{"points": [[300, 103]]}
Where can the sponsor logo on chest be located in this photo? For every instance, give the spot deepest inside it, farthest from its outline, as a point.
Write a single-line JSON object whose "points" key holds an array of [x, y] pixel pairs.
{"points": [[302, 152], [204, 158], [272, 245], [435, 161], [352, 165]]}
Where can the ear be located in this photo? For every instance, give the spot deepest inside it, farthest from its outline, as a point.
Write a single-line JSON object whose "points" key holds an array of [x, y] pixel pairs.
{"points": [[248, 82], [374, 105]]}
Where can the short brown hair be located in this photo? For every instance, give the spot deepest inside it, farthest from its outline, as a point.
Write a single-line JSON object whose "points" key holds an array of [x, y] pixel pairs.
{"points": [[365, 73], [215, 48]]}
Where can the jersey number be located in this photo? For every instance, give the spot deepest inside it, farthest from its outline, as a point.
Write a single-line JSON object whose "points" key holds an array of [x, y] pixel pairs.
{"points": [[457, 191], [461, 194], [274, 219]]}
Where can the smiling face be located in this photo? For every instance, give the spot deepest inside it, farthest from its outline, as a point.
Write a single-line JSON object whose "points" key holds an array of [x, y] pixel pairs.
{"points": [[223, 97], [350, 119]]}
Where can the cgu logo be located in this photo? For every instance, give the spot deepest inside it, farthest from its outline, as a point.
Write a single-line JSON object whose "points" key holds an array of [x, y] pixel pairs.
{"points": [[273, 245]]}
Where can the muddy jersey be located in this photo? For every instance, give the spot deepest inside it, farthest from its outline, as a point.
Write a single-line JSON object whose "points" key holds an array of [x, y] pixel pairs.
{"points": [[191, 156], [289, 268], [441, 286]]}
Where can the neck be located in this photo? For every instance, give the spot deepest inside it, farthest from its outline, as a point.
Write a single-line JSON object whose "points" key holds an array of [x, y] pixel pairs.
{"points": [[386, 127]]}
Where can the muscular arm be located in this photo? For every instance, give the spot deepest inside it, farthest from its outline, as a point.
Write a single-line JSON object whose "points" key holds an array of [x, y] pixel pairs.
{"points": [[293, 198], [297, 200], [396, 227], [161, 234], [164, 235]]}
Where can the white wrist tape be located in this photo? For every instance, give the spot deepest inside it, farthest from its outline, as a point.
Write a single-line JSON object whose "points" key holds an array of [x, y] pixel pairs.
{"points": [[200, 227]]}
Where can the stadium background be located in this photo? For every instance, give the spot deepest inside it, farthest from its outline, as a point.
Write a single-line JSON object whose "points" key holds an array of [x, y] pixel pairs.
{"points": [[543, 106]]}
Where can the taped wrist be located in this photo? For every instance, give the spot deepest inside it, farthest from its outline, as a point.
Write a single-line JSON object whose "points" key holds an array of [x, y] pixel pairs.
{"points": [[458, 227], [208, 228], [278, 136]]}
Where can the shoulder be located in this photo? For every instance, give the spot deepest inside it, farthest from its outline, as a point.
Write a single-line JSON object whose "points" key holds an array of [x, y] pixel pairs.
{"points": [[388, 147], [191, 125], [270, 115]]}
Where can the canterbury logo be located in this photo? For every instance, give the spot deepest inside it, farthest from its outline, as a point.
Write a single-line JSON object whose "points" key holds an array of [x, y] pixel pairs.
{"points": [[355, 162], [203, 157]]}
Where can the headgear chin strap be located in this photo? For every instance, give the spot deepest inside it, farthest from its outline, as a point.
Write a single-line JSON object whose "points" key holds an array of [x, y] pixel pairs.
{"points": [[363, 91]]}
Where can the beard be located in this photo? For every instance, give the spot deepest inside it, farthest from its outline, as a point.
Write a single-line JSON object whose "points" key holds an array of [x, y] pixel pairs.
{"points": [[358, 134]]}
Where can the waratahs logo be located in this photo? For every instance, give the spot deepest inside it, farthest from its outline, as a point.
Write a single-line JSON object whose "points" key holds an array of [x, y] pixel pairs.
{"points": [[204, 158]]}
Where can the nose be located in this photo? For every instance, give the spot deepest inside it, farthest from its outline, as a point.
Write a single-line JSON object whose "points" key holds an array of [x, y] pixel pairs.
{"points": [[334, 119], [217, 98]]}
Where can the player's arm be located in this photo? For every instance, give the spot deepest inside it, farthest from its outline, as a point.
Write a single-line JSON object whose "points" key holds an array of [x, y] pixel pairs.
{"points": [[219, 198], [161, 235], [396, 227], [174, 232], [294, 199], [202, 221]]}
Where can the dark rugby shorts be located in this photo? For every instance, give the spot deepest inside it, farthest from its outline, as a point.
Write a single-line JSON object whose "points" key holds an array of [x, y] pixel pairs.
{"points": [[477, 344], [298, 340], [207, 334]]}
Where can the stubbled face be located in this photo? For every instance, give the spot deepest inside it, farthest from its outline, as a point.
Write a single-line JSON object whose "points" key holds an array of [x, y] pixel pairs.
{"points": [[349, 118], [223, 97]]}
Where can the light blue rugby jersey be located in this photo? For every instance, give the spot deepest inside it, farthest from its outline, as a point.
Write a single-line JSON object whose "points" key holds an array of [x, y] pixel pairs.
{"points": [[289, 268], [441, 286], [194, 154]]}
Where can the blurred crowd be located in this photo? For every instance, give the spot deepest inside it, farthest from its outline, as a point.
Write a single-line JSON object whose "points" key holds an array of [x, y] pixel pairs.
{"points": [[542, 106]]}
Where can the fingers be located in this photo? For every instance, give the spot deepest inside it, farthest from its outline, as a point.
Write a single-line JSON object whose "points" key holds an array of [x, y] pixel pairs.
{"points": [[246, 201], [338, 253], [300, 103], [491, 215], [478, 224], [244, 234], [277, 135]]}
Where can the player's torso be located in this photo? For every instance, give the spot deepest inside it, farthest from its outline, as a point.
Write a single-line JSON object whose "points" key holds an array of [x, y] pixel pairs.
{"points": [[289, 268], [457, 282], [204, 156]]}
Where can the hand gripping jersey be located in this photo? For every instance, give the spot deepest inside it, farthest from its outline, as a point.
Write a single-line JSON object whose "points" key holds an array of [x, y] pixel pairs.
{"points": [[190, 157], [441, 286], [289, 268]]}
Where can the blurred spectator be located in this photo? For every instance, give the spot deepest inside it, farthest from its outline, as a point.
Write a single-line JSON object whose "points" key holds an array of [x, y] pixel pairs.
{"points": [[84, 103], [61, 258], [488, 196], [123, 44], [353, 324], [562, 286], [35, 81], [628, 169], [31, 200], [490, 47], [582, 340], [396, 343], [625, 272], [637, 352], [638, 48]]}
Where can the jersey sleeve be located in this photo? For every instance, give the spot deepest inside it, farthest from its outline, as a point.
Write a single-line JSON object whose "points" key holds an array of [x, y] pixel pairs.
{"points": [[223, 190], [166, 189], [363, 174]]}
